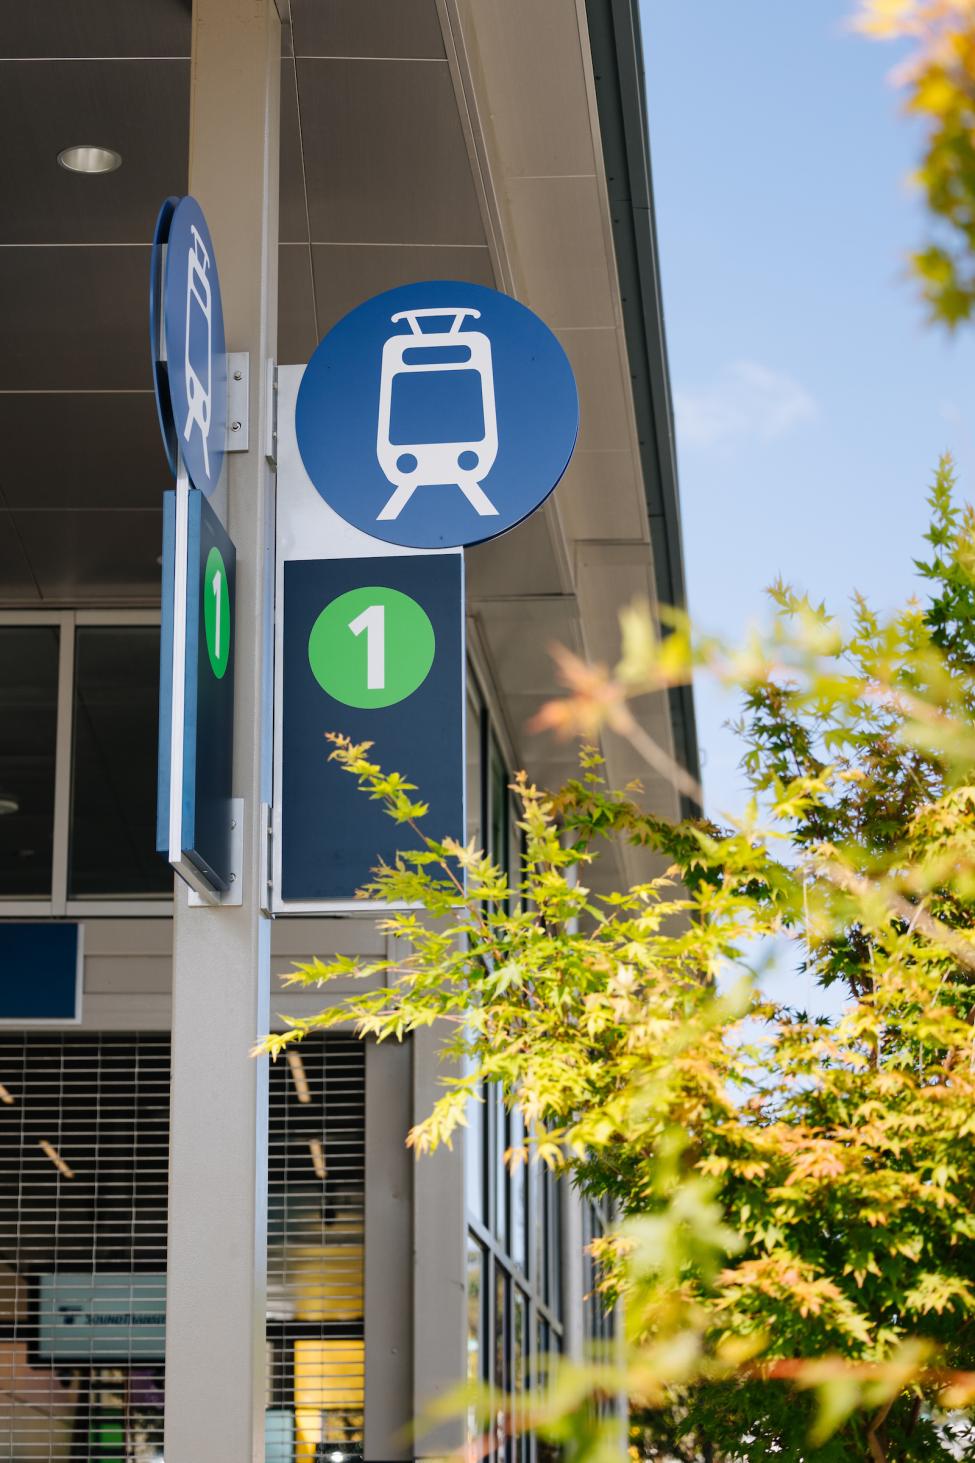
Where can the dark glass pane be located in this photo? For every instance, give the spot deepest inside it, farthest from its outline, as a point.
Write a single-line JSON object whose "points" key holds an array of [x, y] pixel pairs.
{"points": [[522, 1351], [498, 792], [502, 1351], [475, 827], [113, 781], [501, 1175], [28, 737]]}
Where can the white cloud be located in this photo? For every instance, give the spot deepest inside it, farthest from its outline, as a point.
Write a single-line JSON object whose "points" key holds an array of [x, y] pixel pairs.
{"points": [[747, 403]]}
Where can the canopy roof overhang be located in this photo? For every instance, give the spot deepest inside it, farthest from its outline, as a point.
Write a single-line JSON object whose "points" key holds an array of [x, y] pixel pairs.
{"points": [[469, 139]]}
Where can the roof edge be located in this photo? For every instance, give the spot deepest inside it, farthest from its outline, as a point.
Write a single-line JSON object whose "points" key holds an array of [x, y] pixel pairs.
{"points": [[617, 56]]}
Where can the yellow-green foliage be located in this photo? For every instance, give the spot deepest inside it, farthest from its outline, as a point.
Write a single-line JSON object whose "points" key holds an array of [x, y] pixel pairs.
{"points": [[796, 1246], [940, 83]]}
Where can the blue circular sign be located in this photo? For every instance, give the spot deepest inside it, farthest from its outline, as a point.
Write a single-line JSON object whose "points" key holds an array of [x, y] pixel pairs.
{"points": [[437, 414], [186, 315]]}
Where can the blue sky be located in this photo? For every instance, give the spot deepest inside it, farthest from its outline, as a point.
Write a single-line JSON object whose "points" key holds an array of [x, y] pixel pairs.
{"points": [[812, 398]]}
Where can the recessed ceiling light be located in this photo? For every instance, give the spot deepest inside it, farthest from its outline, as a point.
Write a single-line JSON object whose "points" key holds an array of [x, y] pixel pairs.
{"points": [[90, 159], [8, 804]]}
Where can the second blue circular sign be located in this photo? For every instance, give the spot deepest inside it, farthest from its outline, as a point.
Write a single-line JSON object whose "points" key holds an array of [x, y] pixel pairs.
{"points": [[437, 414], [193, 405]]}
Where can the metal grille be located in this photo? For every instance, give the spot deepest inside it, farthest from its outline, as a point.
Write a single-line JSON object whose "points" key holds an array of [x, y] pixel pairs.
{"points": [[84, 1124], [84, 1132], [316, 1189]]}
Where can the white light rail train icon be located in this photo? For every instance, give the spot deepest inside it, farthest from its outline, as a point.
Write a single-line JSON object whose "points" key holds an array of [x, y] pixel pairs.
{"points": [[437, 420]]}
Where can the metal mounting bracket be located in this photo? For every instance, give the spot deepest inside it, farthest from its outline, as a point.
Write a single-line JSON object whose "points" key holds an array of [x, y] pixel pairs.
{"points": [[265, 836], [271, 445], [238, 401], [234, 896]]}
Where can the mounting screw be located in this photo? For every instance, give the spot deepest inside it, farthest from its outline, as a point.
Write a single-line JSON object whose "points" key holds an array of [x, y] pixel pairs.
{"points": [[238, 375], [233, 878], [233, 822], [235, 426]]}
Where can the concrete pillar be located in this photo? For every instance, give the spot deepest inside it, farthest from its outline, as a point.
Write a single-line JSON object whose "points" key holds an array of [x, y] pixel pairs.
{"points": [[215, 1346]]}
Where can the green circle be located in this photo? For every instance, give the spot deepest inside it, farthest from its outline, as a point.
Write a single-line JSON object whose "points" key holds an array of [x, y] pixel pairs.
{"points": [[384, 659], [216, 612]]}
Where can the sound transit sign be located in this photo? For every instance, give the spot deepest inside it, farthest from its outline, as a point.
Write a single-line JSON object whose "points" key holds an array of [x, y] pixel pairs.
{"points": [[196, 710], [189, 353], [194, 819], [373, 648], [437, 415]]}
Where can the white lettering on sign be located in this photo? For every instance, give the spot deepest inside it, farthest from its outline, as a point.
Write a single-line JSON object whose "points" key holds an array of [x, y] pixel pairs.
{"points": [[198, 391], [373, 622], [217, 585]]}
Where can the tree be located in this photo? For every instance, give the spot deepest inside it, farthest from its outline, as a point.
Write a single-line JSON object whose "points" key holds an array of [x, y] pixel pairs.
{"points": [[796, 1247], [939, 79]]}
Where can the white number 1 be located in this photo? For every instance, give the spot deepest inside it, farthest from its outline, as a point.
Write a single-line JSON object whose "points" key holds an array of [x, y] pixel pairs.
{"points": [[217, 585], [373, 621]]}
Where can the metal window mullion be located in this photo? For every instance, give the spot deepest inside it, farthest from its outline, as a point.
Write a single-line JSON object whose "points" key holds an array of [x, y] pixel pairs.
{"points": [[62, 765]]}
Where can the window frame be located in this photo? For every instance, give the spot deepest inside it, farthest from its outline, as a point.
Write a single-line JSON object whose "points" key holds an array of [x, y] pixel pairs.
{"points": [[59, 906], [540, 1290]]}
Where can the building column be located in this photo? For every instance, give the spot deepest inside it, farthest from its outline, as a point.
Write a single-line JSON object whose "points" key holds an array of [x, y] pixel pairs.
{"points": [[215, 1341]]}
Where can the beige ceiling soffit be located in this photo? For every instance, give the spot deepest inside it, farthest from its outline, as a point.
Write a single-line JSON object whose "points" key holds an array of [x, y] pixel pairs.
{"points": [[607, 228], [473, 127], [599, 161], [560, 541], [499, 244]]}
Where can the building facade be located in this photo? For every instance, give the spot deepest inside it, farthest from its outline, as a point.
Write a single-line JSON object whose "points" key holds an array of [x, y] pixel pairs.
{"points": [[480, 140]]}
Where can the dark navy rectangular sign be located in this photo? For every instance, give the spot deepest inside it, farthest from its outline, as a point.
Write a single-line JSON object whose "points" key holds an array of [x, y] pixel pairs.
{"points": [[202, 699], [373, 648], [40, 972]]}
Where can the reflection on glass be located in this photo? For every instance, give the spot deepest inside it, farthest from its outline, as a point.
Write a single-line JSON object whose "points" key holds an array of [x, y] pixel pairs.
{"points": [[475, 1325], [474, 1154], [329, 1395], [555, 1244], [550, 1197], [502, 1379], [501, 1168], [536, 1184], [113, 781], [522, 1440], [28, 738], [519, 1195]]}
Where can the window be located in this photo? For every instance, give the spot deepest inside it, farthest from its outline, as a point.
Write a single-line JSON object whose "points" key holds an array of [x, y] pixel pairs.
{"points": [[316, 1267], [79, 714], [475, 761], [28, 745], [514, 1258], [598, 1320], [84, 1159], [113, 765]]}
